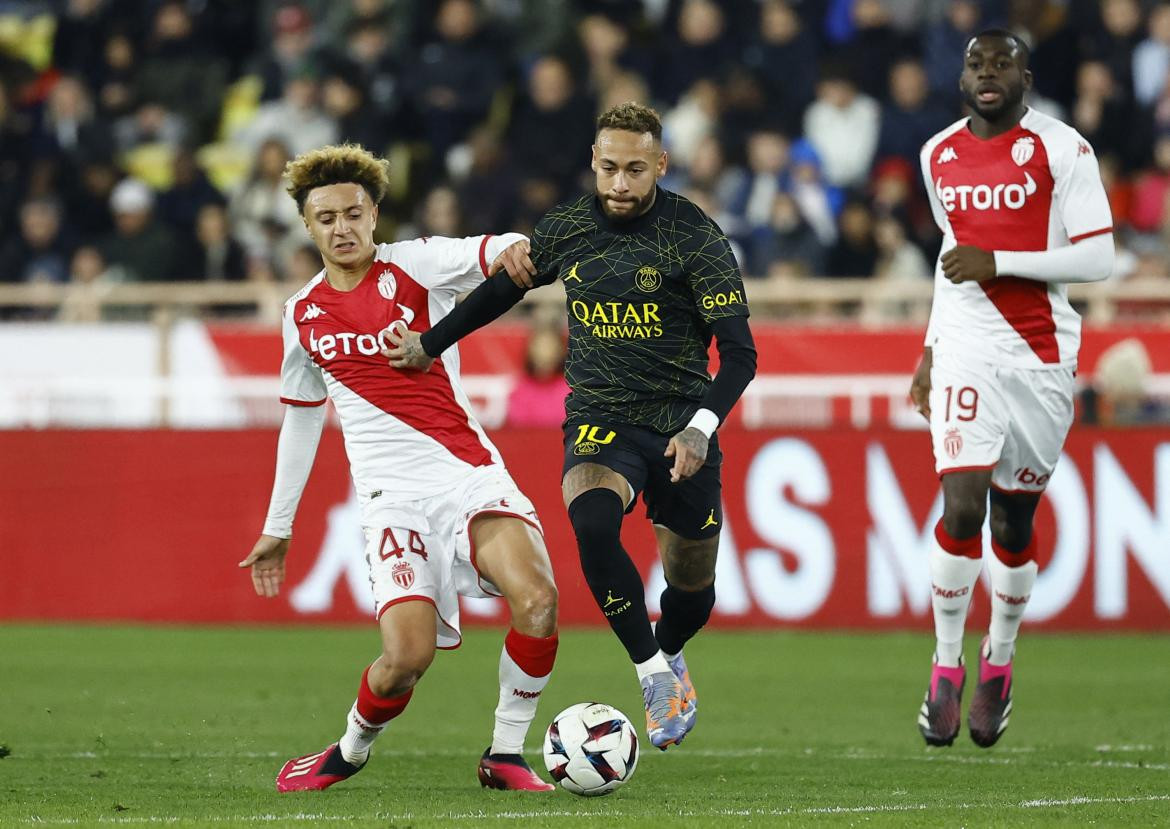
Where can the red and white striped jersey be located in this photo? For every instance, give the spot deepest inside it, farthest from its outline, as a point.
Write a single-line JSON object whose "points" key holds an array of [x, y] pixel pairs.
{"points": [[405, 431], [1035, 187]]}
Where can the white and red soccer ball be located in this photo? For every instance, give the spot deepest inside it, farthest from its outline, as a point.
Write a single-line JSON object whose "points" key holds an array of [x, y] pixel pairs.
{"points": [[591, 749]]}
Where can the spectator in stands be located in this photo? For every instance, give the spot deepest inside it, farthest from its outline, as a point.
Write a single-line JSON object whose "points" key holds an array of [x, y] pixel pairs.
{"points": [[608, 50], [302, 264], [843, 125], [149, 123], [344, 101], [117, 78], [488, 191], [15, 154], [140, 248], [369, 47], [695, 118], [1113, 43], [538, 398], [710, 173], [767, 175], [90, 281], [1055, 47], [1105, 116], [296, 119], [264, 219], [180, 72], [784, 54], [944, 40], [873, 46], [41, 251], [1151, 191], [552, 106], [854, 254], [699, 47], [1151, 58], [455, 77], [1119, 395], [80, 35], [189, 193], [787, 239], [291, 48], [217, 255], [69, 124], [819, 203], [437, 216], [911, 116], [898, 257]]}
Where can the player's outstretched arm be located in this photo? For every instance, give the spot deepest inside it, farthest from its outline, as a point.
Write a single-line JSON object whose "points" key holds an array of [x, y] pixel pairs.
{"points": [[295, 451]]}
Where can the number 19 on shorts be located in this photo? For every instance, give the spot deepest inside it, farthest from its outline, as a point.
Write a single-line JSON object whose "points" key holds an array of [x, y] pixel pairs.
{"points": [[965, 401]]}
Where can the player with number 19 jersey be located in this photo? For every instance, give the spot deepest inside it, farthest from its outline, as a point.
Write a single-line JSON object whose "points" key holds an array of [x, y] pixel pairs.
{"points": [[1005, 349]]}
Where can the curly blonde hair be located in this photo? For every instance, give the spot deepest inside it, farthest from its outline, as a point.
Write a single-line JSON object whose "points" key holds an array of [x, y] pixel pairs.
{"points": [[337, 164]]}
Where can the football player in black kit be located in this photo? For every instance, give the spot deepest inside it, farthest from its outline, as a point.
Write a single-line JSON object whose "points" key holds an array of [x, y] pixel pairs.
{"points": [[649, 279]]}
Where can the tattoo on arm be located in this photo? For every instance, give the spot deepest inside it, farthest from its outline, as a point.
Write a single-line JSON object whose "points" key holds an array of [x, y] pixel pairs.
{"points": [[693, 441]]}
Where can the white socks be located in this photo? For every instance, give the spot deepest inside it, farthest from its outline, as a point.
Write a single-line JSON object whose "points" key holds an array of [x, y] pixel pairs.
{"points": [[952, 578], [525, 665], [359, 735], [1011, 588], [654, 665]]}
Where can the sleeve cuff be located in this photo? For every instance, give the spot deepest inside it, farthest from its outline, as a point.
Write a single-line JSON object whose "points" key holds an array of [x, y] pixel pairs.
{"points": [[705, 420], [277, 529]]}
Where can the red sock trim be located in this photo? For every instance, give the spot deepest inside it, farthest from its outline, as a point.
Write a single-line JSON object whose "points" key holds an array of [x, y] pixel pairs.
{"points": [[534, 654], [1015, 559], [967, 547], [376, 709]]}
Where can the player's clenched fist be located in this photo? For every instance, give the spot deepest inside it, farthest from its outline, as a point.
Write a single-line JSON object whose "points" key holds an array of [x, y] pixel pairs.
{"points": [[689, 450], [967, 263], [267, 563], [515, 259]]}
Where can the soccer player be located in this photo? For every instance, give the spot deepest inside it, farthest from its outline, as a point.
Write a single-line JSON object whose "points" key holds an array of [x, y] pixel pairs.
{"points": [[441, 515], [649, 280], [1019, 200]]}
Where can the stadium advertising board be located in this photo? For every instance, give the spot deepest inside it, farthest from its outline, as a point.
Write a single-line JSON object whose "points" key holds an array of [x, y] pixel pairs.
{"points": [[822, 529]]}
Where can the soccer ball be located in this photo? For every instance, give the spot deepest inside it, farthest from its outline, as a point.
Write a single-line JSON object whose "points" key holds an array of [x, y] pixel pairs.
{"points": [[591, 749]]}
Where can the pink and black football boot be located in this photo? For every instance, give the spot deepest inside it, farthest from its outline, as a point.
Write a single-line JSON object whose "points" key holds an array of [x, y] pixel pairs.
{"points": [[939, 717], [509, 772], [315, 772], [991, 705]]}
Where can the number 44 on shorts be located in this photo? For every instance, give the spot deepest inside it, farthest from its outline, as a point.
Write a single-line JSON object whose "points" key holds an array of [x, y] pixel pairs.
{"points": [[391, 548]]}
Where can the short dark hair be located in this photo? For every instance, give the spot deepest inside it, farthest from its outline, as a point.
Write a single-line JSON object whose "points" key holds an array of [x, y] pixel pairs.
{"points": [[631, 117], [1007, 34], [337, 164]]}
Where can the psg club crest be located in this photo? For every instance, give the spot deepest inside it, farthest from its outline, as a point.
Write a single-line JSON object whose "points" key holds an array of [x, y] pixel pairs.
{"points": [[403, 574], [1023, 150], [387, 285], [648, 279], [952, 443]]}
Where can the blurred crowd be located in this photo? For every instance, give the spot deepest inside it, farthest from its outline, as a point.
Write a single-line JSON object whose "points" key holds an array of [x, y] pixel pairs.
{"points": [[144, 139]]}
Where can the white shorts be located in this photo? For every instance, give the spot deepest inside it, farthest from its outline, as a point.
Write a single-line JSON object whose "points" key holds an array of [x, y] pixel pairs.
{"points": [[1012, 421], [422, 549]]}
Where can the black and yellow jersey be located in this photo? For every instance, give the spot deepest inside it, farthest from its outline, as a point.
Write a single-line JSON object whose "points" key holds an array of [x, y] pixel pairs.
{"points": [[641, 296]]}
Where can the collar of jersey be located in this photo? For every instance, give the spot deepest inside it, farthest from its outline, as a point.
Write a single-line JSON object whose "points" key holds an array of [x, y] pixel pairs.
{"points": [[634, 225]]}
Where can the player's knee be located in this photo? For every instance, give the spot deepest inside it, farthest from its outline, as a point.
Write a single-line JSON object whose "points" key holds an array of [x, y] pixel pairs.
{"points": [[596, 516], [534, 612], [399, 671], [963, 516]]}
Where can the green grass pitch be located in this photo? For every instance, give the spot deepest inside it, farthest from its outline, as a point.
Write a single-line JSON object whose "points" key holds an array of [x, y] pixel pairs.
{"points": [[187, 727]]}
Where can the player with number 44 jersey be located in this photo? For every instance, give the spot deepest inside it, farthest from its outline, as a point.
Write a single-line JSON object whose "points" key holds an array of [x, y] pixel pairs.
{"points": [[1019, 200], [441, 515]]}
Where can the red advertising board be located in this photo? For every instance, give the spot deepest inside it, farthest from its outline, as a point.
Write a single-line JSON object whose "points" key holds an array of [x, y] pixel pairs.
{"points": [[822, 529]]}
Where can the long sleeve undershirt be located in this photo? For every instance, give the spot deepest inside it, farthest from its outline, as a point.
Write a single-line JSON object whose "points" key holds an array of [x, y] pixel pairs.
{"points": [[1089, 260], [295, 450]]}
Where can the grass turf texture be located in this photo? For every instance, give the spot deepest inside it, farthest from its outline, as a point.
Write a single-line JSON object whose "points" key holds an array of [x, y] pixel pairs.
{"points": [[188, 727]]}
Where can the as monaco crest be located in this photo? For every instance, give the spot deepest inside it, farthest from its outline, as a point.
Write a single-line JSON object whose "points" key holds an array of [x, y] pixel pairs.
{"points": [[403, 574], [1023, 150], [387, 284], [952, 443]]}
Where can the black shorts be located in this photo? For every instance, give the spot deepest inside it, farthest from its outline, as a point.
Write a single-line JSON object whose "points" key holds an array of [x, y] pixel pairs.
{"points": [[692, 508]]}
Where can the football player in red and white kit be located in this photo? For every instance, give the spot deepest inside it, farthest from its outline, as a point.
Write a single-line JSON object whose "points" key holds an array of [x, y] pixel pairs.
{"points": [[1019, 200], [441, 515]]}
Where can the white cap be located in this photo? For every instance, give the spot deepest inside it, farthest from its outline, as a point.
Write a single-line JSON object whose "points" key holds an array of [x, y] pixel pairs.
{"points": [[131, 195]]}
